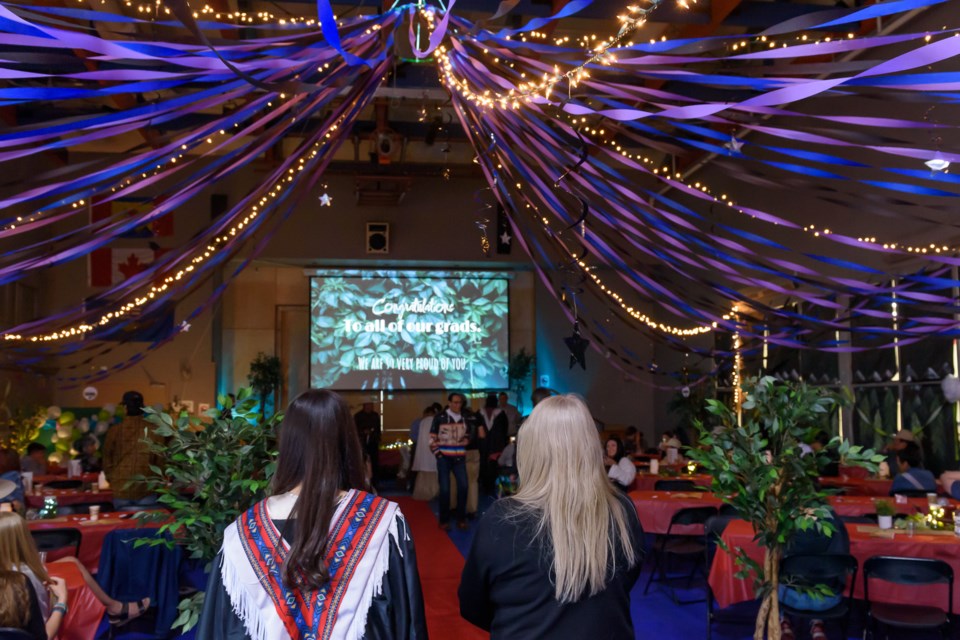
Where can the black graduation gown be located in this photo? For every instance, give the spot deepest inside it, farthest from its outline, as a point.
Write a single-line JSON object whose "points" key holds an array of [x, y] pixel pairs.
{"points": [[397, 613]]}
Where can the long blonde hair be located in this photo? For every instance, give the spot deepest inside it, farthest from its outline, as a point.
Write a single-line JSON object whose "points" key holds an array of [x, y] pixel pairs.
{"points": [[564, 485], [17, 547]]}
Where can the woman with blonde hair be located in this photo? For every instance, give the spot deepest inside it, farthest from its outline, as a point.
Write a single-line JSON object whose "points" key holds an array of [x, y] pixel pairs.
{"points": [[19, 553], [567, 527]]}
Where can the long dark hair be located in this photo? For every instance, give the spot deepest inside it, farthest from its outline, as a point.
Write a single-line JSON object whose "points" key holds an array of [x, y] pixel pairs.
{"points": [[319, 450], [620, 452]]}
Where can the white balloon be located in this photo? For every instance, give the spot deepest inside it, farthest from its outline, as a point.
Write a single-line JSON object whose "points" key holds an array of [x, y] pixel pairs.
{"points": [[951, 388], [110, 408], [102, 427]]}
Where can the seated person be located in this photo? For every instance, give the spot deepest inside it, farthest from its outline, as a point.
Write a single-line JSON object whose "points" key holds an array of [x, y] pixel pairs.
{"points": [[11, 484], [812, 541], [620, 468], [950, 481], [36, 459], [912, 476], [832, 468], [86, 448]]}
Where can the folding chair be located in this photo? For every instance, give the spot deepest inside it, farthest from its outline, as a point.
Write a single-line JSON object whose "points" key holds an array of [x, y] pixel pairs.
{"points": [[681, 545], [58, 543], [914, 572], [835, 570]]}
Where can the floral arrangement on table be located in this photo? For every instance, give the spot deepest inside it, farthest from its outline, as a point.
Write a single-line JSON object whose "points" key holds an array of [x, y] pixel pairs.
{"points": [[935, 520]]}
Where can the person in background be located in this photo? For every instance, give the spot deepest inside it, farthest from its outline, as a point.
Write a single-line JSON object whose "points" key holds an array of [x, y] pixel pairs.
{"points": [[126, 455], [449, 436], [35, 461], [494, 421], [407, 470], [633, 441], [558, 559], [912, 476], [86, 448], [367, 421], [832, 468], [812, 541], [512, 413], [18, 551], [477, 432], [619, 466], [321, 557], [10, 471], [900, 441], [19, 607], [425, 485]]}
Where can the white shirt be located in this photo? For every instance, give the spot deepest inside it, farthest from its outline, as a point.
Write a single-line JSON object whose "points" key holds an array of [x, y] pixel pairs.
{"points": [[624, 472]]}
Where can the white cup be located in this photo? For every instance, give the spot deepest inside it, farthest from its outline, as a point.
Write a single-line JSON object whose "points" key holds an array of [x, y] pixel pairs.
{"points": [[27, 478], [6, 507], [94, 512], [654, 466], [43, 556]]}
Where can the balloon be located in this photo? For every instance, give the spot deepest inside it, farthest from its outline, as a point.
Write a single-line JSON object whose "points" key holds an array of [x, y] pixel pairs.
{"points": [[67, 418], [53, 412]]}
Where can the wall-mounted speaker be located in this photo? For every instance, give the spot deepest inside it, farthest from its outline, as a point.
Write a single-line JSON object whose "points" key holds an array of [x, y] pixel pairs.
{"points": [[378, 237]]}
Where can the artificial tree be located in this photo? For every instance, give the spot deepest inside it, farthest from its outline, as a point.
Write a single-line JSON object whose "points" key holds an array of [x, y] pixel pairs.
{"points": [[759, 468], [211, 472]]}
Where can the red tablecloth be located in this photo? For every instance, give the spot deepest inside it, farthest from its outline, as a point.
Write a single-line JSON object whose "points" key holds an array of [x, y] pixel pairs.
{"points": [[656, 508], [647, 481], [728, 589], [86, 478], [859, 486], [84, 610], [67, 497], [93, 532]]}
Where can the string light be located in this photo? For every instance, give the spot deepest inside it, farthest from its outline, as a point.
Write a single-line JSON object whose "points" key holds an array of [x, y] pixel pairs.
{"points": [[217, 244]]}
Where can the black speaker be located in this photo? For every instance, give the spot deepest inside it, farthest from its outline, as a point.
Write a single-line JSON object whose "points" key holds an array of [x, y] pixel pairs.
{"points": [[378, 237]]}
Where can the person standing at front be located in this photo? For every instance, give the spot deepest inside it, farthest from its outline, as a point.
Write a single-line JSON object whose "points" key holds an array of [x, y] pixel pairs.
{"points": [[558, 559], [449, 437]]}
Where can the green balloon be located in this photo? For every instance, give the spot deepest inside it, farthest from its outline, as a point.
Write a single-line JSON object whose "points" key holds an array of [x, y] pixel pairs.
{"points": [[67, 417]]}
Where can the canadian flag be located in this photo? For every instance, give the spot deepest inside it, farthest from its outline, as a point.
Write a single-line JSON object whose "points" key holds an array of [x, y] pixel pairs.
{"points": [[111, 266]]}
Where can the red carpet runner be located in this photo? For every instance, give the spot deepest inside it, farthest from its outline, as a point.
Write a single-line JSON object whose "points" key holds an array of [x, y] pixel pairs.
{"points": [[440, 564]]}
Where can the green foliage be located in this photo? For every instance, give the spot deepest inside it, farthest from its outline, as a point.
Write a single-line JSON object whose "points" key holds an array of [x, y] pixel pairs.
{"points": [[757, 467], [693, 409], [518, 372], [210, 473], [884, 508], [20, 427], [335, 351], [265, 377]]}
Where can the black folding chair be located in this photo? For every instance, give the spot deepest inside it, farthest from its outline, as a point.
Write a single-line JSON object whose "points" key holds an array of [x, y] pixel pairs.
{"points": [[58, 542], [64, 484], [914, 572], [674, 485], [713, 529], [837, 571], [672, 544]]}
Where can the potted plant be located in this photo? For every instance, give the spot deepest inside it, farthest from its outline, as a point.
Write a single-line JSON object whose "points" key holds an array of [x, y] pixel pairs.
{"points": [[265, 377], [518, 372], [757, 467], [885, 513], [211, 472]]}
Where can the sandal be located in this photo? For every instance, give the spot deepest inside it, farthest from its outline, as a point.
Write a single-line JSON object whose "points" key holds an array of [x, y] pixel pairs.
{"points": [[125, 616], [816, 631], [786, 631]]}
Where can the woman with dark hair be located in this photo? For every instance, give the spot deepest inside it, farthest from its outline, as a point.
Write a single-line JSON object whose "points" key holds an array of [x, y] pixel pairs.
{"points": [[619, 466], [321, 557]]}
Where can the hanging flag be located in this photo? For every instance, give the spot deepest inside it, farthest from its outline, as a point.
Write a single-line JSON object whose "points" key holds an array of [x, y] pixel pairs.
{"points": [[504, 232], [131, 207], [111, 266]]}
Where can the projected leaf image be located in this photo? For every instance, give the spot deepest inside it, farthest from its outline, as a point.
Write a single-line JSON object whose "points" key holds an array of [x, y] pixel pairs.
{"points": [[392, 331]]}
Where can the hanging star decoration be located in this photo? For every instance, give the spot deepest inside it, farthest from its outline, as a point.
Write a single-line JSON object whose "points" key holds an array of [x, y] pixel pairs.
{"points": [[734, 145], [184, 326], [505, 238], [326, 200], [577, 345]]}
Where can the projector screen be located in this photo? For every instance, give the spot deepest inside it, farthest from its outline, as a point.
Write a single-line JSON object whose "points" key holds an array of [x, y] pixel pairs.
{"points": [[396, 330]]}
